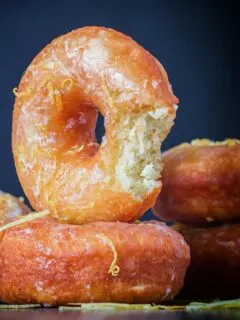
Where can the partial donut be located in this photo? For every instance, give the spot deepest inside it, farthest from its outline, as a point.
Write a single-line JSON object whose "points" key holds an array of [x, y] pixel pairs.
{"points": [[215, 262], [47, 262], [60, 165], [201, 182], [11, 208]]}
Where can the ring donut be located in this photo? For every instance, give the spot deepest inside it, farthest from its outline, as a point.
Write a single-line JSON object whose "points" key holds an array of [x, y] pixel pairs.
{"points": [[215, 262], [60, 165], [201, 182], [46, 262]]}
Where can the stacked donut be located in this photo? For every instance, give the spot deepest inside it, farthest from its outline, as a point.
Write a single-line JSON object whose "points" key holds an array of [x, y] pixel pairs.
{"points": [[201, 191], [86, 246]]}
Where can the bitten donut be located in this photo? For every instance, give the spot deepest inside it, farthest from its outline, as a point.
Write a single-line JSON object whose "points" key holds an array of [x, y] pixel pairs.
{"points": [[201, 182], [11, 208], [46, 262], [60, 165], [215, 262]]}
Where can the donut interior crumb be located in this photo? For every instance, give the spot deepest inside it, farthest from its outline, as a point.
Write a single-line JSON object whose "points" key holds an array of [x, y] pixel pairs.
{"points": [[139, 166]]}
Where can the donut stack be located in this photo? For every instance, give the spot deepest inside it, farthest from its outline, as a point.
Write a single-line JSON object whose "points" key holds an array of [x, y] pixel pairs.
{"points": [[84, 248], [201, 193]]}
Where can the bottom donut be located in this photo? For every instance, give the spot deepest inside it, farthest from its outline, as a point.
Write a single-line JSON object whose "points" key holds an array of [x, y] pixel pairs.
{"points": [[46, 262], [215, 262]]}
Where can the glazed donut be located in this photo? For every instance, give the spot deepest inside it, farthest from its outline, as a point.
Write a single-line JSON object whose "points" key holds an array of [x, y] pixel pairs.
{"points": [[46, 262], [11, 208], [59, 163], [215, 262], [201, 182]]}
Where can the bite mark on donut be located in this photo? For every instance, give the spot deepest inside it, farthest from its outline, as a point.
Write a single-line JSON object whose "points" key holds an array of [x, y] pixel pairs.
{"points": [[114, 268], [139, 166], [144, 129]]}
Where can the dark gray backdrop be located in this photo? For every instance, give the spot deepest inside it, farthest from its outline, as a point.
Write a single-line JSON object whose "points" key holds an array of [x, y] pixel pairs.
{"points": [[195, 41]]}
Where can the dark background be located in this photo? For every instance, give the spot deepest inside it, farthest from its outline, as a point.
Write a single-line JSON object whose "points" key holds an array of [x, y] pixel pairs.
{"points": [[195, 41]]}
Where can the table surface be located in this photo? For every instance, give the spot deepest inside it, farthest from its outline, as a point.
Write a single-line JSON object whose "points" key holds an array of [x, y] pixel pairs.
{"points": [[54, 314]]}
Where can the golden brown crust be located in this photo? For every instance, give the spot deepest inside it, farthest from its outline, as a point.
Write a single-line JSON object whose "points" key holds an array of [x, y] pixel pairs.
{"points": [[215, 262], [201, 183], [48, 262], [54, 122]]}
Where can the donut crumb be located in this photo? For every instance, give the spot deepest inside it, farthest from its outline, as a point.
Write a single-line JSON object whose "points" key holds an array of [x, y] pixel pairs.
{"points": [[140, 137]]}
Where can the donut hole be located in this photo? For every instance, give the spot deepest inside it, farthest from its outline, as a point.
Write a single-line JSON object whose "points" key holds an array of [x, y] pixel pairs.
{"points": [[139, 165], [100, 129]]}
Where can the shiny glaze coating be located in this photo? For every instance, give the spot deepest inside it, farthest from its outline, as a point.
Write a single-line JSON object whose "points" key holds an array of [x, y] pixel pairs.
{"points": [[59, 163], [215, 262], [47, 262], [201, 183]]}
